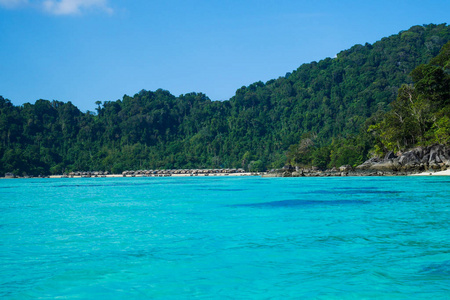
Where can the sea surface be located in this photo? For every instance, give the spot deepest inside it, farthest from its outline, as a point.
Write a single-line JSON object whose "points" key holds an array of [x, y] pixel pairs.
{"points": [[225, 238]]}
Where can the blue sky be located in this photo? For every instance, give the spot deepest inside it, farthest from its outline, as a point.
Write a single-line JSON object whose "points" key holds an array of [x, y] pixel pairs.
{"points": [[88, 50]]}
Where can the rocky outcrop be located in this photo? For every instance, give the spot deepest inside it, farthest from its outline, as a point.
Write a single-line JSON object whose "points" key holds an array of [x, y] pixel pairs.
{"points": [[435, 158], [345, 170], [369, 163], [420, 159]]}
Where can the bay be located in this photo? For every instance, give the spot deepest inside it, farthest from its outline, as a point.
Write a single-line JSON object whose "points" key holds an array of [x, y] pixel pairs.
{"points": [[225, 238]]}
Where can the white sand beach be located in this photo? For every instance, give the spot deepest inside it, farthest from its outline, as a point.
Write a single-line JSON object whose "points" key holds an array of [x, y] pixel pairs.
{"points": [[439, 173]]}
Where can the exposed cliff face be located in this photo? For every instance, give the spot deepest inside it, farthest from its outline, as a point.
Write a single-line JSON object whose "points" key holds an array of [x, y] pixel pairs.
{"points": [[436, 158]]}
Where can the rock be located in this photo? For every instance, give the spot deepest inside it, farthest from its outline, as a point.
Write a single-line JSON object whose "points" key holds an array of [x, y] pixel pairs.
{"points": [[287, 174], [345, 168], [409, 157], [396, 164], [383, 166], [289, 168], [410, 167], [434, 166], [418, 152], [432, 158], [390, 155], [368, 163], [417, 159]]}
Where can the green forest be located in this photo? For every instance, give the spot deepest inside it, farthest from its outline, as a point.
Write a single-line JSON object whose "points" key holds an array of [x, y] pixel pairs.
{"points": [[370, 99]]}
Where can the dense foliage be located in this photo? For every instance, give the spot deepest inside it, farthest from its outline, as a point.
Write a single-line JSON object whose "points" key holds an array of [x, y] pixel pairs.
{"points": [[318, 114], [421, 113]]}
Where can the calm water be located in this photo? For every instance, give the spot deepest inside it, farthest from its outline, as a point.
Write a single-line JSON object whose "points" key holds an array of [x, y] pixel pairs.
{"points": [[225, 238]]}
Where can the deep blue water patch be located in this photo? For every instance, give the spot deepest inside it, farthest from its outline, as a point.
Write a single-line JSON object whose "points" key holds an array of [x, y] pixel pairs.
{"points": [[353, 191], [441, 268], [222, 189], [299, 203], [437, 182]]}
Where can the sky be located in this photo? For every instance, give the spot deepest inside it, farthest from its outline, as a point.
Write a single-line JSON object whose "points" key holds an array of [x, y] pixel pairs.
{"points": [[85, 51]]}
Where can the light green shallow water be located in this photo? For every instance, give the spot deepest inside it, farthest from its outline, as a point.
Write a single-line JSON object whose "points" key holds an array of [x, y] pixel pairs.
{"points": [[225, 238]]}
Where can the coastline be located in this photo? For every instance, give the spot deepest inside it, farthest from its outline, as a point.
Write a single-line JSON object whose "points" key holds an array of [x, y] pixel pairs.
{"points": [[161, 175], [438, 173], [262, 174], [145, 173]]}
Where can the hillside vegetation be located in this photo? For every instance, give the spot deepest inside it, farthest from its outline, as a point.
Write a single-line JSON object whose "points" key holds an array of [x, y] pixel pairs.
{"points": [[325, 113], [421, 113]]}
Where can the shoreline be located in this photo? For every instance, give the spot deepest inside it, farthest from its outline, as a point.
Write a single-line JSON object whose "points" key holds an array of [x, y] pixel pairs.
{"points": [[261, 174], [156, 175], [437, 173]]}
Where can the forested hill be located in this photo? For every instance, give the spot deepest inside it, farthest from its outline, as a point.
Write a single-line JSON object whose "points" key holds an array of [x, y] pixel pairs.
{"points": [[323, 102]]}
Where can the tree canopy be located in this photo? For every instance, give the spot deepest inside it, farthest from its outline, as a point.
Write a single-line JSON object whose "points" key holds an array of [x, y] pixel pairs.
{"points": [[318, 114], [420, 114]]}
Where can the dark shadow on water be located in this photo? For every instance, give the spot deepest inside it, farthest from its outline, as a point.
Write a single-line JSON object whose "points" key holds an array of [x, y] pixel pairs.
{"points": [[221, 189], [354, 191], [441, 269], [438, 182], [300, 203]]}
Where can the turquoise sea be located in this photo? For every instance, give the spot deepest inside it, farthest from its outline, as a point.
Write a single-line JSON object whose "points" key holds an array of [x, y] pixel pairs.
{"points": [[225, 238]]}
